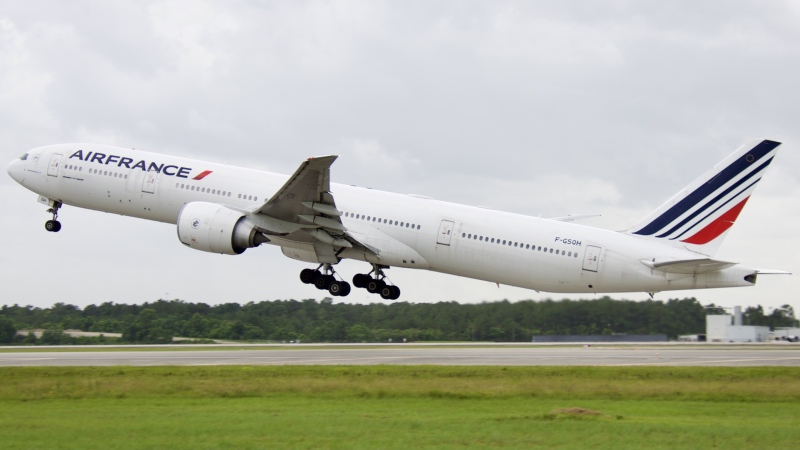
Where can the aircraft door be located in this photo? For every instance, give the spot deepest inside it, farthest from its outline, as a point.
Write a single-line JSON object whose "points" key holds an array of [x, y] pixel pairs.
{"points": [[591, 261], [149, 182], [445, 232], [55, 161]]}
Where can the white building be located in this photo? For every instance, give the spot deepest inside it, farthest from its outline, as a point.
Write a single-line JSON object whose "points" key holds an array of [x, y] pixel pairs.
{"points": [[727, 328]]}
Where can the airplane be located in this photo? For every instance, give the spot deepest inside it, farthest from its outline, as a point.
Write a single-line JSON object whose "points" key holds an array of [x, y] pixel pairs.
{"points": [[225, 209]]}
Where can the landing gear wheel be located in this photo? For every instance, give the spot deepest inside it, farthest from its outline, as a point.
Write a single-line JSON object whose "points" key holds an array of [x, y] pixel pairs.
{"points": [[52, 226], [339, 288], [309, 276], [360, 280], [323, 282], [390, 293], [375, 286]]}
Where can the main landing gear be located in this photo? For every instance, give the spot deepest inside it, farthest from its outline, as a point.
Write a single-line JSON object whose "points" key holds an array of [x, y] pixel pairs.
{"points": [[325, 279], [376, 284], [53, 225]]}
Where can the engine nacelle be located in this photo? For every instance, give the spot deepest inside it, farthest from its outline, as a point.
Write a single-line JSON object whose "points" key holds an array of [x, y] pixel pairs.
{"points": [[210, 227]]}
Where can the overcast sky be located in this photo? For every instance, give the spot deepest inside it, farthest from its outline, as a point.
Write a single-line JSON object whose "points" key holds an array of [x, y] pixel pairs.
{"points": [[539, 108]]}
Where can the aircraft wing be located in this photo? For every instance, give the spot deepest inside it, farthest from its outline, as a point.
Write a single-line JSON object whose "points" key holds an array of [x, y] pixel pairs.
{"points": [[305, 205], [688, 266]]}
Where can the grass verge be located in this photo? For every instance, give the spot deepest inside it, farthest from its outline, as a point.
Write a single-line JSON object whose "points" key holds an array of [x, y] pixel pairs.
{"points": [[398, 407]]}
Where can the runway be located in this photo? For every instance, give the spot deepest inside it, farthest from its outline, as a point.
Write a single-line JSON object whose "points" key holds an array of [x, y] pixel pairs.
{"points": [[677, 355]]}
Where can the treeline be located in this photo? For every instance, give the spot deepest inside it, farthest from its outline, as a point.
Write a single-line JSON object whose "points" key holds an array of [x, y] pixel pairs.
{"points": [[325, 321]]}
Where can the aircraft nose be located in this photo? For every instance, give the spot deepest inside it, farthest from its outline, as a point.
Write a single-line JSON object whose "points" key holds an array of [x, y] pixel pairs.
{"points": [[14, 170]]}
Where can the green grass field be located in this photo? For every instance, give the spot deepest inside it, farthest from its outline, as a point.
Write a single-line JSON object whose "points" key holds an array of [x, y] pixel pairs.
{"points": [[399, 407]]}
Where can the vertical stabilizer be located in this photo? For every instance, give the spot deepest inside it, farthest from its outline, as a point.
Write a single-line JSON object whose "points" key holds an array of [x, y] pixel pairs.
{"points": [[699, 216]]}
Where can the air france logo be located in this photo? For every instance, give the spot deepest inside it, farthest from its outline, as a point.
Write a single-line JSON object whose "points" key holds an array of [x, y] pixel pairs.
{"points": [[144, 166], [196, 223]]}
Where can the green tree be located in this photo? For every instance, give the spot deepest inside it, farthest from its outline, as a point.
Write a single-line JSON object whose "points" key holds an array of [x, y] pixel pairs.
{"points": [[7, 330], [147, 329], [54, 336]]}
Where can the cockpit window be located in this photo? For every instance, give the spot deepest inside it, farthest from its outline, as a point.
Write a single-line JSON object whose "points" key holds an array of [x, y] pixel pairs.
{"points": [[24, 156]]}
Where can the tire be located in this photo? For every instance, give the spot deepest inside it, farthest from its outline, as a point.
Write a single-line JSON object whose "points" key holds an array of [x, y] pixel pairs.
{"points": [[375, 286], [51, 226], [323, 282], [308, 276], [345, 289], [335, 289], [360, 280], [390, 293]]}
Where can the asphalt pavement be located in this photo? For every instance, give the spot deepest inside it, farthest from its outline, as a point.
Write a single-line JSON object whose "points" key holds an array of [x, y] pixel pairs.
{"points": [[595, 355]]}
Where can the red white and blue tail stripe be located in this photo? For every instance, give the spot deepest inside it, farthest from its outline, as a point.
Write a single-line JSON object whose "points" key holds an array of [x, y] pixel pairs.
{"points": [[700, 215]]}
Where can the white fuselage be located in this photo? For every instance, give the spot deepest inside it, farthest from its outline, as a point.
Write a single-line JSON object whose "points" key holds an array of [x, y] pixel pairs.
{"points": [[512, 249]]}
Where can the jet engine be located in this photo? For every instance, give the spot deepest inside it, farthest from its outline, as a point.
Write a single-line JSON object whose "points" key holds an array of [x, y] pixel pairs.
{"points": [[210, 227]]}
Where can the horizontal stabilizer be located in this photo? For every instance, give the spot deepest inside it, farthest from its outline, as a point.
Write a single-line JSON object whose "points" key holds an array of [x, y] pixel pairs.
{"points": [[772, 272], [688, 266]]}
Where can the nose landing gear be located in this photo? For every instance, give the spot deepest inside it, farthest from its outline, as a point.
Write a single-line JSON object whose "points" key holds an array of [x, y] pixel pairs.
{"points": [[53, 225]]}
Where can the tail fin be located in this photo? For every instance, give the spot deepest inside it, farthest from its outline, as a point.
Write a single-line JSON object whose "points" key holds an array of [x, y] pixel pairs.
{"points": [[699, 216]]}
